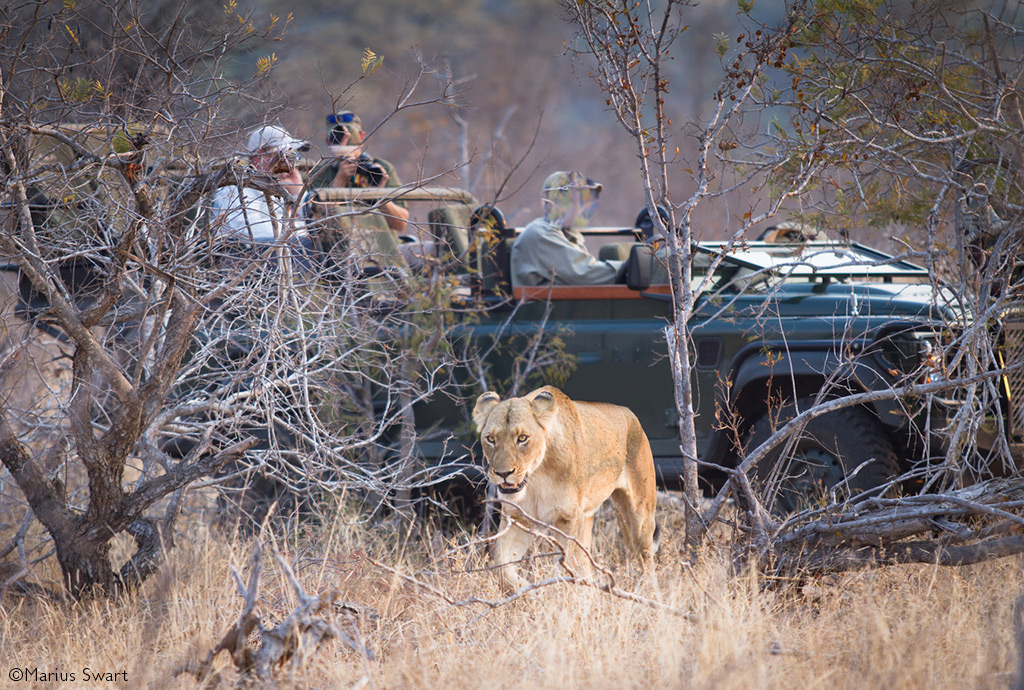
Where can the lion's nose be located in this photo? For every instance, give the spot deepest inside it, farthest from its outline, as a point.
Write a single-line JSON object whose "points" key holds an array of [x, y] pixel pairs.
{"points": [[504, 475]]}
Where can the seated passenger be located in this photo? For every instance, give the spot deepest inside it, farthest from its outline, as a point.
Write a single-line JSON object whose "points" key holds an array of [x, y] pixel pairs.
{"points": [[353, 167], [551, 250], [792, 232], [242, 213]]}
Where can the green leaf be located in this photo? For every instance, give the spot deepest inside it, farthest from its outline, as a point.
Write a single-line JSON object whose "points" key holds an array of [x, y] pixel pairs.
{"points": [[721, 43]]}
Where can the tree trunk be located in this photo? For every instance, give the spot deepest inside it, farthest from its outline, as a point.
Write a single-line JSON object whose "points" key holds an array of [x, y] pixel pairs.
{"points": [[679, 351], [83, 554], [85, 563]]}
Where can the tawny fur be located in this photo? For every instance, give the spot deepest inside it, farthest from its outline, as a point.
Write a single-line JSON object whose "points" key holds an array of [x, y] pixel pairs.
{"points": [[557, 460]]}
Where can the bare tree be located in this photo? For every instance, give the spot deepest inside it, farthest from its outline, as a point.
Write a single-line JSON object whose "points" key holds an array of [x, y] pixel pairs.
{"points": [[178, 356], [629, 45], [917, 110], [840, 116]]}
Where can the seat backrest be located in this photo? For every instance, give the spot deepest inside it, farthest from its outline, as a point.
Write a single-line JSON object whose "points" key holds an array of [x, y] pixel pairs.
{"points": [[639, 267], [616, 251], [491, 259], [645, 267], [369, 236], [449, 227]]}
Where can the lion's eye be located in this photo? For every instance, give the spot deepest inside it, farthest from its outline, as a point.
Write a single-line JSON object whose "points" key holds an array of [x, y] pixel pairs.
{"points": [[490, 440], [523, 438]]}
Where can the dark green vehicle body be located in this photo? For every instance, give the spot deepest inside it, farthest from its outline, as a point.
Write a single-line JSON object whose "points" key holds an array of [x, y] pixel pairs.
{"points": [[864, 322]]}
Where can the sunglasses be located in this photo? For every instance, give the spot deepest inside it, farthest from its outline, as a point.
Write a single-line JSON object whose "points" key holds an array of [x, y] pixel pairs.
{"points": [[341, 118], [585, 195]]}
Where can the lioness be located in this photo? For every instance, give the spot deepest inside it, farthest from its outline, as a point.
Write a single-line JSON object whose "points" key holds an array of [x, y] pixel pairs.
{"points": [[558, 461]]}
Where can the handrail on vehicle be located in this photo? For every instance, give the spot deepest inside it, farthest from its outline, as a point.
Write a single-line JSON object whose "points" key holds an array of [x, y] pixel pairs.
{"points": [[349, 194], [610, 230], [585, 292]]}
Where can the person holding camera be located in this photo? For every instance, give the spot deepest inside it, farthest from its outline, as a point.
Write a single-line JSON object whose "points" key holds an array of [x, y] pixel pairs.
{"points": [[354, 168], [243, 213]]}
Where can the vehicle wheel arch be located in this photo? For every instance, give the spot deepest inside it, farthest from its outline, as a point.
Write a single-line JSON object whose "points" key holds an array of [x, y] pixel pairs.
{"points": [[827, 451], [756, 396]]}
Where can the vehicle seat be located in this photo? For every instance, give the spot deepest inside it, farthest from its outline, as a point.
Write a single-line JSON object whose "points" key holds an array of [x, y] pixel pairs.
{"points": [[369, 236], [492, 262], [448, 225], [618, 251], [500, 279], [490, 251], [645, 267]]}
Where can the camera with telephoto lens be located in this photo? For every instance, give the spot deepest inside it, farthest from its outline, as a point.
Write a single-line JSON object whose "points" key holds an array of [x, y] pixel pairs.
{"points": [[368, 173], [284, 162], [336, 135]]}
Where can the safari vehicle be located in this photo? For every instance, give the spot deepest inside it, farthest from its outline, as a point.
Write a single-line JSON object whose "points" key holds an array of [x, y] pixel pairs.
{"points": [[775, 324]]}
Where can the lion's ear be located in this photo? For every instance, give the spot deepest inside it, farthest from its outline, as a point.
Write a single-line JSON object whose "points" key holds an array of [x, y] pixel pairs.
{"points": [[484, 404], [543, 406]]}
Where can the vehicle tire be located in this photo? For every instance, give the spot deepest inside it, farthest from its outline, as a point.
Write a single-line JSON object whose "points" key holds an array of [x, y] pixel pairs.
{"points": [[246, 500], [828, 448], [244, 503]]}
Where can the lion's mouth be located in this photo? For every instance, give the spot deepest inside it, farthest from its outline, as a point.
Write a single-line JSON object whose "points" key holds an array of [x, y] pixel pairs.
{"points": [[509, 488]]}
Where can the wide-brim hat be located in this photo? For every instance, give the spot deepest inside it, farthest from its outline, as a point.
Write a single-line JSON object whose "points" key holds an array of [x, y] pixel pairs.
{"points": [[564, 180]]}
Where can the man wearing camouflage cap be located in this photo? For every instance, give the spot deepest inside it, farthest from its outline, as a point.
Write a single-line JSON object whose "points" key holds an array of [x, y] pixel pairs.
{"points": [[551, 250]]}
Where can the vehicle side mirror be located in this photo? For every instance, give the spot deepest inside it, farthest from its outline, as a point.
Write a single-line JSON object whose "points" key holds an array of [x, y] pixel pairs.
{"points": [[639, 267]]}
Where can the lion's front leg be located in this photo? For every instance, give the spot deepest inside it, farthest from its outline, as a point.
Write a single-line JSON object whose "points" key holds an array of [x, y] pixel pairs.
{"points": [[577, 548], [509, 548]]}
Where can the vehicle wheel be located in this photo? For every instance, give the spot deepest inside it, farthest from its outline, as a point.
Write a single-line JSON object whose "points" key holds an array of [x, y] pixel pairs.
{"points": [[828, 448], [244, 503], [246, 500]]}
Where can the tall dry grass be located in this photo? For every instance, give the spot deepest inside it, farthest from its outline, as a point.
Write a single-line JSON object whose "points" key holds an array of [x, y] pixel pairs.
{"points": [[905, 627]]}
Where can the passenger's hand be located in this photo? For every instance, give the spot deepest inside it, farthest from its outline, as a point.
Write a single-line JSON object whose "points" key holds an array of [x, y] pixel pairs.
{"points": [[291, 177], [346, 169], [292, 181]]}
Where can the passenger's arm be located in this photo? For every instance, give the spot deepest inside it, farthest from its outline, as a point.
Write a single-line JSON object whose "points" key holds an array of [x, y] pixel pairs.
{"points": [[396, 216], [544, 256]]}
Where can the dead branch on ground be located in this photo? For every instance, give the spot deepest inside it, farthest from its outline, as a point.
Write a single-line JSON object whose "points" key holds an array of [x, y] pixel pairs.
{"points": [[970, 525], [257, 649]]}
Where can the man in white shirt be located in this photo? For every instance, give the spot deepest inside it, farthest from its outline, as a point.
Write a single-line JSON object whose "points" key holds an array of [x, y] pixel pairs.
{"points": [[551, 250], [244, 213]]}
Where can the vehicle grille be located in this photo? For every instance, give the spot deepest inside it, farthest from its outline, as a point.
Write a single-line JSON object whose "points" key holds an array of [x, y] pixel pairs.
{"points": [[1013, 353]]}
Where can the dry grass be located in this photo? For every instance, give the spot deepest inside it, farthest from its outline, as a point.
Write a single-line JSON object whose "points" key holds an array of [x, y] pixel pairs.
{"points": [[906, 627]]}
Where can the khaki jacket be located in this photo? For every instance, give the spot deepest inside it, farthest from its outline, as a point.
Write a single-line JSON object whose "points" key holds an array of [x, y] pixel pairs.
{"points": [[546, 254]]}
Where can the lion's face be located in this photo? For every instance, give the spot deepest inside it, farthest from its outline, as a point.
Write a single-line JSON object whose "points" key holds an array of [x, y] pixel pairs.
{"points": [[513, 437]]}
